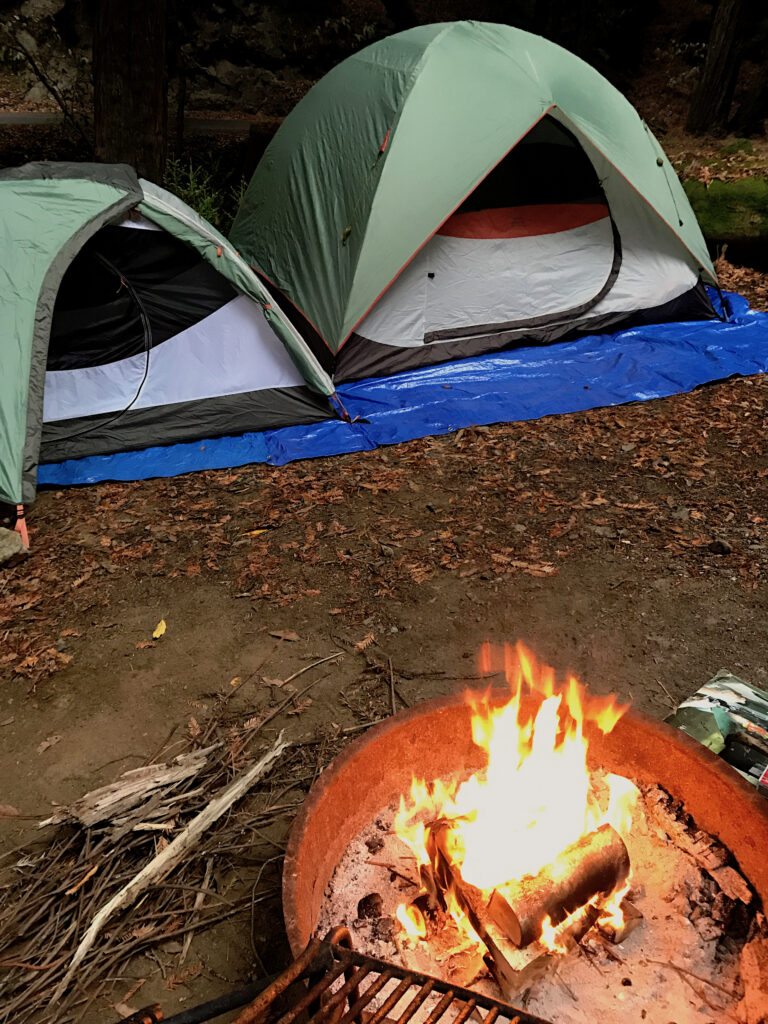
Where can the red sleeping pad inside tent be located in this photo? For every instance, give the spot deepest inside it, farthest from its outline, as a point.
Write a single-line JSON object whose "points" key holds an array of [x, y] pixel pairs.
{"points": [[523, 221]]}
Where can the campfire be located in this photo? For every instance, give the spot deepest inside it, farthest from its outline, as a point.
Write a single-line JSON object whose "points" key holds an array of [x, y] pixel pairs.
{"points": [[530, 849], [518, 843]]}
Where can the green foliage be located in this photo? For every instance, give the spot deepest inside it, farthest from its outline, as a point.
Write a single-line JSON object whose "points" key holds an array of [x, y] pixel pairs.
{"points": [[738, 146], [205, 190], [196, 186], [730, 210]]}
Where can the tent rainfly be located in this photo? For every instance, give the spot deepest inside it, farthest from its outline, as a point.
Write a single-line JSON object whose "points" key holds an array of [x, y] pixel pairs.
{"points": [[465, 187], [127, 321]]}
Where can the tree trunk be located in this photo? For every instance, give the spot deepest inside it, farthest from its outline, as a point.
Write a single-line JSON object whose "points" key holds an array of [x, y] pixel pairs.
{"points": [[753, 111], [711, 104], [130, 105]]}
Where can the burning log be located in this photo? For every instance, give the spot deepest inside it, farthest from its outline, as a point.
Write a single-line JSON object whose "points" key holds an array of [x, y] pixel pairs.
{"points": [[596, 863], [616, 932]]}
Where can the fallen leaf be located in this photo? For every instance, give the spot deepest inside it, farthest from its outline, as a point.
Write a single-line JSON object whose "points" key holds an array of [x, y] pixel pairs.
{"points": [[159, 629], [143, 644], [49, 742], [183, 976], [301, 706], [69, 632], [273, 682], [234, 681], [255, 721], [253, 533], [367, 640], [336, 611], [6, 811], [193, 728], [285, 634]]}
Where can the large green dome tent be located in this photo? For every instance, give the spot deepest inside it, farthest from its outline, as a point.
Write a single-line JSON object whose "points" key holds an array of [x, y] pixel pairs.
{"points": [[128, 321], [463, 187]]}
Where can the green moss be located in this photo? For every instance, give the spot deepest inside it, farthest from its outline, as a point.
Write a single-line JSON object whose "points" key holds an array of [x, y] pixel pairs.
{"points": [[738, 146], [730, 210]]}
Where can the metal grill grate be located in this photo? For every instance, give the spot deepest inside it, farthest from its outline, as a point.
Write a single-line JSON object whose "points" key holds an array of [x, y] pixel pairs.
{"points": [[331, 983]]}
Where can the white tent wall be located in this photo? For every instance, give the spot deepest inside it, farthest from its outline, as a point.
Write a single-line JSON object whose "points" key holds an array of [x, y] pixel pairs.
{"points": [[230, 352], [656, 266], [488, 281], [491, 281]]}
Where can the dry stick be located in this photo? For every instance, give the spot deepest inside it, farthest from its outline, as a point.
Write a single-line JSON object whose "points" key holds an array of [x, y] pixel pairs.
{"points": [[153, 757], [320, 661], [168, 859], [692, 974], [289, 700], [359, 728], [196, 906], [391, 687], [228, 697]]}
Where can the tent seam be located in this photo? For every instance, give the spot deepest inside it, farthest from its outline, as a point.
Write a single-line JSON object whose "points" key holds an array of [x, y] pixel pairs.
{"points": [[381, 167]]}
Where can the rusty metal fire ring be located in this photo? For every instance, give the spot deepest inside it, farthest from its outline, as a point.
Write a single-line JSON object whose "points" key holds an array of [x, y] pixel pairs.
{"points": [[433, 740]]}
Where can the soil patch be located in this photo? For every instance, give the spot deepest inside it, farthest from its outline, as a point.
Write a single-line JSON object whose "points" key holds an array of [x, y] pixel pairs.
{"points": [[626, 544]]}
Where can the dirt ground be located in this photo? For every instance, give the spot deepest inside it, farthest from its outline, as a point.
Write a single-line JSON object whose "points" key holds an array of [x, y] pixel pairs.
{"points": [[627, 544]]}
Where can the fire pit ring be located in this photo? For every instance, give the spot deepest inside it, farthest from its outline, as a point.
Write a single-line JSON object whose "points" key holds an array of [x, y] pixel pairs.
{"points": [[434, 740]]}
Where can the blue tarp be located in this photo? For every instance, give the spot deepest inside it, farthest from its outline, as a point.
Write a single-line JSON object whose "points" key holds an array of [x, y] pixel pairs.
{"points": [[520, 384]]}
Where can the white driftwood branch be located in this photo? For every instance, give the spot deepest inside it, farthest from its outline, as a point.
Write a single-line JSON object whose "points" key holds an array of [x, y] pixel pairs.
{"points": [[167, 859], [131, 789]]}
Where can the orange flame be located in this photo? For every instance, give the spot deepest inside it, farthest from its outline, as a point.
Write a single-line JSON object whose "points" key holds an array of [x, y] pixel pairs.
{"points": [[412, 920], [536, 795]]}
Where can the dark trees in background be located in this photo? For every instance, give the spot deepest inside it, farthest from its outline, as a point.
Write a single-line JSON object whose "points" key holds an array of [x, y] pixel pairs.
{"points": [[711, 104], [130, 104]]}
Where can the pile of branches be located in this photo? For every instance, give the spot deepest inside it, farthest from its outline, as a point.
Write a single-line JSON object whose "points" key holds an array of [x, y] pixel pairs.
{"points": [[76, 908]]}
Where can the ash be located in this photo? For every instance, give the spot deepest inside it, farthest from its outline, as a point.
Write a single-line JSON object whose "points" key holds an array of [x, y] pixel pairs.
{"points": [[680, 964]]}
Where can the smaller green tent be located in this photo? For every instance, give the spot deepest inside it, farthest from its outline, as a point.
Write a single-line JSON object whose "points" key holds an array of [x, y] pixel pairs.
{"points": [[463, 187], [126, 321]]}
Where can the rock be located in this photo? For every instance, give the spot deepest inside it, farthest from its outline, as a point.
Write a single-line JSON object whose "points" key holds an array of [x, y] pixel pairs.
{"points": [[370, 905], [720, 547], [384, 929], [12, 548], [39, 9], [753, 1008], [37, 94], [374, 844]]}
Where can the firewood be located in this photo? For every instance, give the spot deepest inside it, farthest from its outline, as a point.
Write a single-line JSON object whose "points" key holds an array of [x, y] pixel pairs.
{"points": [[732, 884], [753, 1008], [615, 935], [708, 852], [596, 863], [492, 928], [131, 790], [165, 861]]}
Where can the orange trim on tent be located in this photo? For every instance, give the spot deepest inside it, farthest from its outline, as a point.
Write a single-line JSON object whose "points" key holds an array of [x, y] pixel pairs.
{"points": [[523, 221], [289, 299]]}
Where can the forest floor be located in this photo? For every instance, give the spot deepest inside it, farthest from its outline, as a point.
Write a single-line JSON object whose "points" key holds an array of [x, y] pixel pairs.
{"points": [[626, 544]]}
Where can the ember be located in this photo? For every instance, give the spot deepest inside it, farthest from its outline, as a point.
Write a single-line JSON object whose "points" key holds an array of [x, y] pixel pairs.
{"points": [[528, 842]]}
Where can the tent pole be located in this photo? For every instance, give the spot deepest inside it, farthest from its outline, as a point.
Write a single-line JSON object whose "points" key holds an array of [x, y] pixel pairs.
{"points": [[335, 400]]}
